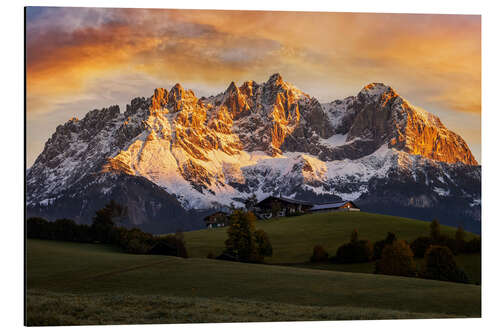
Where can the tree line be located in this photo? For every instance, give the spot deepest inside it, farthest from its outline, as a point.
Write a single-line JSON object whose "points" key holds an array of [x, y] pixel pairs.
{"points": [[396, 257], [104, 230]]}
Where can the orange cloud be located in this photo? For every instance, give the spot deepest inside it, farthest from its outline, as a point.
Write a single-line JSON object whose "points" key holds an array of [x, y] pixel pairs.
{"points": [[433, 60]]}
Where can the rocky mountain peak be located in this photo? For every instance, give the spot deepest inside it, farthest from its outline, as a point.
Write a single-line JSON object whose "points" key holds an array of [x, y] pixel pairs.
{"points": [[231, 88], [159, 99], [178, 98], [247, 88], [379, 115], [275, 80], [264, 138]]}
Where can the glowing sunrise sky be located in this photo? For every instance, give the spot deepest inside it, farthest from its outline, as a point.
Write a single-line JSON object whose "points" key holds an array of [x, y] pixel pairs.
{"points": [[79, 59]]}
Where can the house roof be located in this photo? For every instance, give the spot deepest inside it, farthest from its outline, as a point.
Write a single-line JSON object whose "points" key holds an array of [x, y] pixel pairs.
{"points": [[331, 205], [216, 213], [289, 200]]}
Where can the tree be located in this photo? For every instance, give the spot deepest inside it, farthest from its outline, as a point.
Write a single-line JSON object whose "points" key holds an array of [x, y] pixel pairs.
{"points": [[168, 245], [354, 236], [473, 245], [460, 239], [136, 241], [180, 245], [36, 227], [250, 202], [420, 245], [396, 259], [355, 251], [103, 225], [435, 230], [275, 208], [378, 247], [440, 265], [319, 254], [264, 247], [240, 243]]}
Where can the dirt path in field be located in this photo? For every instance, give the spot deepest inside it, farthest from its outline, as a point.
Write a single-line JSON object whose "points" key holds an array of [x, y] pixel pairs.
{"points": [[57, 284], [121, 270]]}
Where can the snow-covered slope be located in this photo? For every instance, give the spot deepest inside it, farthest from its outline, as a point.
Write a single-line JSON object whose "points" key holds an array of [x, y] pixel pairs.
{"points": [[268, 138]]}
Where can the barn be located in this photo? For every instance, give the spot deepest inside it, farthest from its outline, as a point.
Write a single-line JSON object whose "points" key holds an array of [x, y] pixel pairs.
{"points": [[281, 206], [217, 220], [347, 206]]}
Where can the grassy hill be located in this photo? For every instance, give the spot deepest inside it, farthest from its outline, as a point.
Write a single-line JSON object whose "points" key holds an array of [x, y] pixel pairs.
{"points": [[293, 238], [71, 283]]}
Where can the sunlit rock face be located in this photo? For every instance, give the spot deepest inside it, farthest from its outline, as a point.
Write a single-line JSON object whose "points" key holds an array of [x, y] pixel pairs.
{"points": [[265, 138], [385, 117]]}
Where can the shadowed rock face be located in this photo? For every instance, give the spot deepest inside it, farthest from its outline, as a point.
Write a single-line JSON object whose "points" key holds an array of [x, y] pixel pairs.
{"points": [[205, 152]]}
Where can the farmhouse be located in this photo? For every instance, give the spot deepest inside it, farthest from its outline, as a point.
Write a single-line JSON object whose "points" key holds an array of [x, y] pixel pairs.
{"points": [[335, 206], [280, 206], [217, 220]]}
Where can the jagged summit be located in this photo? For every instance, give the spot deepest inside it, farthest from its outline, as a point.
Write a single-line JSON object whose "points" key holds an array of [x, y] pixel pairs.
{"points": [[263, 138], [376, 88], [275, 79]]}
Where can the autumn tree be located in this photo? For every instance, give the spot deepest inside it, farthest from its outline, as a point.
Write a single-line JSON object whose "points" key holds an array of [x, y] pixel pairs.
{"points": [[244, 243], [440, 265], [396, 259], [240, 242], [319, 254], [435, 230]]}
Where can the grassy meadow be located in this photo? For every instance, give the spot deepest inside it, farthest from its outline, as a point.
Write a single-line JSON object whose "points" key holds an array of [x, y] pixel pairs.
{"points": [[293, 239], [76, 284]]}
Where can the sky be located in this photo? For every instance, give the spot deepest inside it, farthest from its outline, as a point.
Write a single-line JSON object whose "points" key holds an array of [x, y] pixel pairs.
{"points": [[80, 59]]}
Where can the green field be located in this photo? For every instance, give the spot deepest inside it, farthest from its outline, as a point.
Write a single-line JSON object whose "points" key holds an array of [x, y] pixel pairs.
{"points": [[74, 284], [293, 238]]}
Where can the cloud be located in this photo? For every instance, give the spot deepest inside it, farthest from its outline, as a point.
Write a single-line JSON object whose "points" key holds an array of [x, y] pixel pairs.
{"points": [[433, 60]]}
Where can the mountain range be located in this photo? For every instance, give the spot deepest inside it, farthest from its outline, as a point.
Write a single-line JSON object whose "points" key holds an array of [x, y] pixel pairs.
{"points": [[173, 157]]}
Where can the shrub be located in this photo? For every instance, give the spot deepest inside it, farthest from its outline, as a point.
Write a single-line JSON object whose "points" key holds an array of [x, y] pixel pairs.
{"points": [[165, 245], [378, 247], [137, 246], [440, 265], [396, 259], [420, 245], [135, 241], [447, 242], [355, 251], [473, 246], [264, 247], [319, 254]]}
